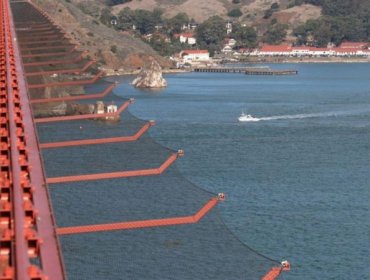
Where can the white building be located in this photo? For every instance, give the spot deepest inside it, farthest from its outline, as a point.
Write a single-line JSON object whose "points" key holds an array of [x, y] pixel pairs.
{"points": [[227, 49], [301, 51], [189, 26], [194, 55], [187, 38], [230, 42], [229, 27]]}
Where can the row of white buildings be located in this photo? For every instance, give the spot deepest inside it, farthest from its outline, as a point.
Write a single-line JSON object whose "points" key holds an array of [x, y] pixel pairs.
{"points": [[346, 49]]}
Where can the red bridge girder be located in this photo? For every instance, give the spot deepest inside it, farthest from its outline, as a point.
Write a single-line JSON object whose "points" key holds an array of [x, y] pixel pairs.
{"points": [[32, 232], [134, 137], [193, 219], [120, 174]]}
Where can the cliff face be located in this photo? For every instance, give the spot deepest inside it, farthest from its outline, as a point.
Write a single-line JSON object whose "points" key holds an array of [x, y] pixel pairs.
{"points": [[150, 77]]}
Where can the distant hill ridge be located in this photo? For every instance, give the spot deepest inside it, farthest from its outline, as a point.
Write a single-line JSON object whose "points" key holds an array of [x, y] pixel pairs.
{"points": [[252, 11]]}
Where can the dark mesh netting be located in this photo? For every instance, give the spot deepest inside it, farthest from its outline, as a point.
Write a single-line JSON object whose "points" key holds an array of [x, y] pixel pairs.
{"points": [[206, 250], [199, 251]]}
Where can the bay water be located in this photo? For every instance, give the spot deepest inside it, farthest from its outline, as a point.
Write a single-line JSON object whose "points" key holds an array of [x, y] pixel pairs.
{"points": [[297, 182]]}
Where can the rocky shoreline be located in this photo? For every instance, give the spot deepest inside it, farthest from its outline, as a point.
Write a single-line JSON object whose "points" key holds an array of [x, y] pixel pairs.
{"points": [[150, 76]]}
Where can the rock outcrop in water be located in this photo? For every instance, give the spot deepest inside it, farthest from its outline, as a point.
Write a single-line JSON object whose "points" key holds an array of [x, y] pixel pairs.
{"points": [[150, 77]]}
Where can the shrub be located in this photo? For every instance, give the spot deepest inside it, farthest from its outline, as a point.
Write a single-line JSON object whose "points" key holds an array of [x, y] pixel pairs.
{"points": [[235, 13], [113, 49]]}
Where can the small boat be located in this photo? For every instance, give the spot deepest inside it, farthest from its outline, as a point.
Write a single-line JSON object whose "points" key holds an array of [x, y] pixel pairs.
{"points": [[247, 118]]}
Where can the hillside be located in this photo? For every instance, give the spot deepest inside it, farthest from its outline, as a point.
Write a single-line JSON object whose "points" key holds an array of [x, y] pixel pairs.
{"points": [[253, 11], [125, 36], [113, 50]]}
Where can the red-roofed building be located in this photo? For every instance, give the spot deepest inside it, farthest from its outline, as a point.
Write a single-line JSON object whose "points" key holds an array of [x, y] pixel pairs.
{"points": [[321, 51], [271, 50], [346, 51], [301, 51], [354, 45], [284, 50]]}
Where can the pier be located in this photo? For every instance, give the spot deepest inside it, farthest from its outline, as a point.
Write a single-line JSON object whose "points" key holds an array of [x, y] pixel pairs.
{"points": [[271, 72]]}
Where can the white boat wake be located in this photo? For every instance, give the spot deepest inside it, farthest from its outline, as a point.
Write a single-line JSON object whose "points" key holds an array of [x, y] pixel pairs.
{"points": [[247, 118], [250, 118]]}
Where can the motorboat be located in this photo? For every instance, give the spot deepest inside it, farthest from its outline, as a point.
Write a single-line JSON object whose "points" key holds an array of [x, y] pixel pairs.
{"points": [[247, 118]]}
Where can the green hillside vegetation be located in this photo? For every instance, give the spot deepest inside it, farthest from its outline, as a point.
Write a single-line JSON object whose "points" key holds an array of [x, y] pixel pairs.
{"points": [[253, 22], [342, 20]]}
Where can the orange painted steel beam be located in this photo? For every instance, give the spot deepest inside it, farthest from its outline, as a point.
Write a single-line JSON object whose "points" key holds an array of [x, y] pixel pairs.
{"points": [[275, 272], [74, 98], [132, 138], [54, 62], [28, 190], [86, 116], [19, 248], [119, 174], [69, 83], [142, 224], [62, 71]]}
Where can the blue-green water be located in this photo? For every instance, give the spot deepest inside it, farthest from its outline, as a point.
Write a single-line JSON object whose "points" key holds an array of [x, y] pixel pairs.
{"points": [[297, 188], [296, 182]]}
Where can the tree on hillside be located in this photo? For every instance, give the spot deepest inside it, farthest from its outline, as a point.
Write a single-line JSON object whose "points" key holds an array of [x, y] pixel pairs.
{"points": [[211, 33], [275, 34], [322, 35], [175, 23], [273, 8], [245, 36], [344, 20], [158, 43], [145, 21], [332, 29], [126, 19], [116, 2], [105, 16], [235, 13], [304, 32]]}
